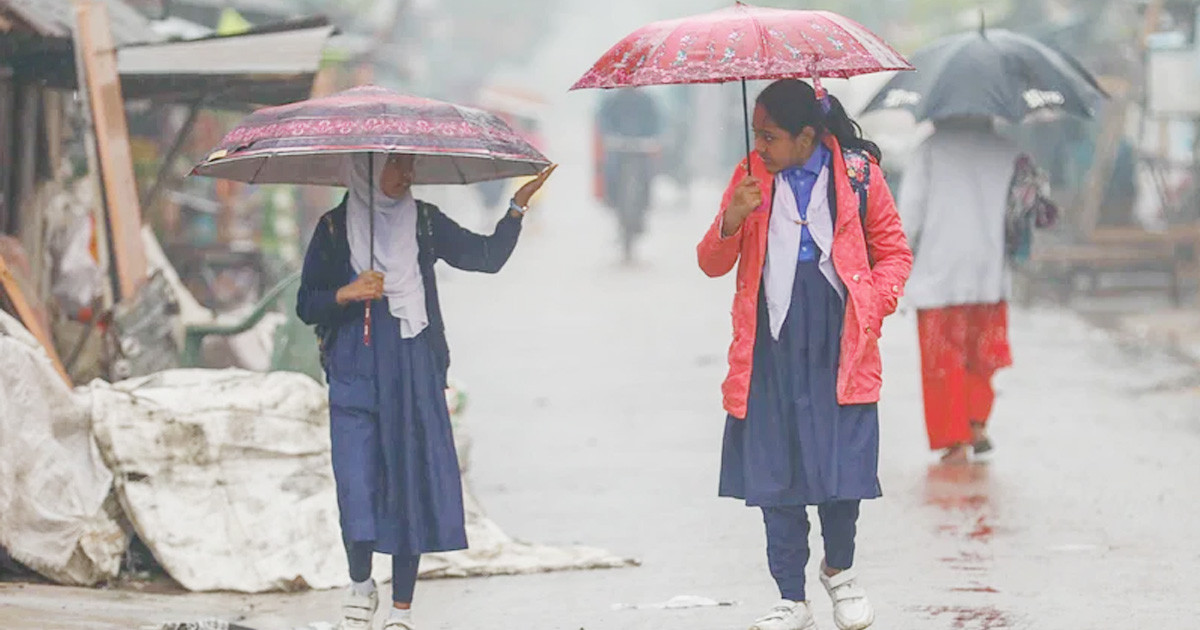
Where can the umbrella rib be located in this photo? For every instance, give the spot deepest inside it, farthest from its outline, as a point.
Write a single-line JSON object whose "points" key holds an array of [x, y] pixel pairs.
{"points": [[259, 170], [657, 49], [496, 174], [462, 178], [762, 38]]}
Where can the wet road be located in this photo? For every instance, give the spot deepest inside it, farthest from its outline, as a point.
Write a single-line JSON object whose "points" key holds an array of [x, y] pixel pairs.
{"points": [[596, 419], [607, 380]]}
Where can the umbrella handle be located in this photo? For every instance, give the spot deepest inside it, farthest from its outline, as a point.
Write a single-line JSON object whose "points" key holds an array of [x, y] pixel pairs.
{"points": [[366, 323], [371, 221]]}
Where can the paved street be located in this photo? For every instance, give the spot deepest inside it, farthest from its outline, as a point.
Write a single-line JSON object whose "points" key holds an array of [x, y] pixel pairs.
{"points": [[596, 420], [595, 414]]}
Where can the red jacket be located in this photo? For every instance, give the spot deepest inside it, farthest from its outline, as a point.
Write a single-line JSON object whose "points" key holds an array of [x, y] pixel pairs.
{"points": [[872, 291]]}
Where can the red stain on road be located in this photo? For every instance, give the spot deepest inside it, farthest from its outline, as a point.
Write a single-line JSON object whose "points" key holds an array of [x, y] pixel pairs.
{"points": [[965, 557], [982, 530], [970, 617], [966, 561], [964, 496], [965, 503]]}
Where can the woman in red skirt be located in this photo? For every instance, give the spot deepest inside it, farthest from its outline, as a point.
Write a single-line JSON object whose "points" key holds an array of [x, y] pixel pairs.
{"points": [[953, 205]]}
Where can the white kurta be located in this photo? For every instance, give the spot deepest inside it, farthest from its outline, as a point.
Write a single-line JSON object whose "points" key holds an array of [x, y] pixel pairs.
{"points": [[952, 204]]}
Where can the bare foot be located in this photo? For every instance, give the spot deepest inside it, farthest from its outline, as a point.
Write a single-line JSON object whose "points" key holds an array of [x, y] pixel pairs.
{"points": [[956, 454]]}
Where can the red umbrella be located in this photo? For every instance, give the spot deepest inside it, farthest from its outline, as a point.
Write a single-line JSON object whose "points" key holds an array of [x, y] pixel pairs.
{"points": [[744, 43]]}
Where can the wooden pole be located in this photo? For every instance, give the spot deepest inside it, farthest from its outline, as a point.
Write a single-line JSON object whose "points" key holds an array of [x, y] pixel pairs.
{"points": [[94, 42], [10, 290]]}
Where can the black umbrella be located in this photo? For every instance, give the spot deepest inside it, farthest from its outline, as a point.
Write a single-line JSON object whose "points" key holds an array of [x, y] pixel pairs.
{"points": [[990, 73]]}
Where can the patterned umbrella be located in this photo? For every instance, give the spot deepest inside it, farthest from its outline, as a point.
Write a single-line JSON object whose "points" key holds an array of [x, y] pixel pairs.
{"points": [[744, 43], [311, 142]]}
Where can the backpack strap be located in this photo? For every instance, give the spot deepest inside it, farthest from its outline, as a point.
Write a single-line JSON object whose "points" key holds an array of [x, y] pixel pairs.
{"points": [[858, 169], [334, 222]]}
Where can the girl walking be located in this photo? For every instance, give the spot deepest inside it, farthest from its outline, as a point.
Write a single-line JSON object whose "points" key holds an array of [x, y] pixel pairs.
{"points": [[394, 462], [821, 260]]}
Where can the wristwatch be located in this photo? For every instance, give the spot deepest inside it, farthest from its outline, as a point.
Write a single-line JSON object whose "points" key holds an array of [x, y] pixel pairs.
{"points": [[521, 210]]}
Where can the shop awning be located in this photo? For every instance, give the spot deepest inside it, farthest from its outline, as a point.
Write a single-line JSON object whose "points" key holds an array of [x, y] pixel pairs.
{"points": [[262, 67]]}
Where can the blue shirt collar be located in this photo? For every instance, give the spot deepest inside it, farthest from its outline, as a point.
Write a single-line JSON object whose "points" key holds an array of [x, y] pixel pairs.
{"points": [[817, 161]]}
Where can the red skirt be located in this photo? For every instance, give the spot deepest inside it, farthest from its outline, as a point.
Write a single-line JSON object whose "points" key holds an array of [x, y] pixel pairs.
{"points": [[961, 348]]}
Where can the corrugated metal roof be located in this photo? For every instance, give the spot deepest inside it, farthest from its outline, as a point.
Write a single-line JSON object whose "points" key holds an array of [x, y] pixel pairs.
{"points": [[272, 7], [282, 53], [268, 66], [54, 18]]}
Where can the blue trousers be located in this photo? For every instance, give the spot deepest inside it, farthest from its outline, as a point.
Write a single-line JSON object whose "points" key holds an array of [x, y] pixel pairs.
{"points": [[404, 569], [787, 542]]}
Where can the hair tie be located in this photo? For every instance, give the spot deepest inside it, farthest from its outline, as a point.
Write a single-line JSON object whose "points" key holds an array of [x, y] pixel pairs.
{"points": [[822, 94]]}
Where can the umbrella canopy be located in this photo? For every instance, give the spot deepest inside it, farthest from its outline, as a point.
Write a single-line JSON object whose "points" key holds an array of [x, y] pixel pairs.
{"points": [[312, 142], [994, 73], [743, 43]]}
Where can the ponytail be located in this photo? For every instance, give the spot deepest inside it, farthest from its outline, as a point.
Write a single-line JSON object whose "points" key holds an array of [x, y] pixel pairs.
{"points": [[848, 132], [793, 105]]}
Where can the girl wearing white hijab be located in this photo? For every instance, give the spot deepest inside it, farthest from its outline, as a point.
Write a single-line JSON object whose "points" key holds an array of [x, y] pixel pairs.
{"points": [[394, 462]]}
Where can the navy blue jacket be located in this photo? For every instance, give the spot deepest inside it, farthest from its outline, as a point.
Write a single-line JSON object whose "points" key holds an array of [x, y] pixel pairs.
{"points": [[327, 268]]}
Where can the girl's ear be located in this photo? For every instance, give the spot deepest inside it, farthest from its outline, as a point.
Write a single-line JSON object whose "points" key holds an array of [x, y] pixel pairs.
{"points": [[807, 138]]}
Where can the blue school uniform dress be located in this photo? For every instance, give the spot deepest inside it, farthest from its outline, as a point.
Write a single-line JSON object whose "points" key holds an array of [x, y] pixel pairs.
{"points": [[394, 461], [797, 445]]}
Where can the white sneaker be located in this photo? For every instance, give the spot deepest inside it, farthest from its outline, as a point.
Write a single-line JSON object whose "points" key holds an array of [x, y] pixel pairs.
{"points": [[787, 615], [398, 624], [851, 609], [358, 611]]}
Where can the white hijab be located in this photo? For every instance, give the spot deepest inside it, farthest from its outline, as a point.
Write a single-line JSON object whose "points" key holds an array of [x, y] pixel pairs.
{"points": [[395, 245]]}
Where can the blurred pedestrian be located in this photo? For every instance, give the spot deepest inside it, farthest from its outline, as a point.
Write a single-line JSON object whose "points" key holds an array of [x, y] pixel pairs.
{"points": [[629, 145], [954, 203], [394, 462], [821, 259]]}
